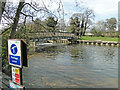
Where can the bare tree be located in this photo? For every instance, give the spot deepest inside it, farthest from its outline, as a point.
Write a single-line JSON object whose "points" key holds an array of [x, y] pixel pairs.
{"points": [[2, 8], [88, 17], [16, 19], [15, 14], [111, 25], [85, 20]]}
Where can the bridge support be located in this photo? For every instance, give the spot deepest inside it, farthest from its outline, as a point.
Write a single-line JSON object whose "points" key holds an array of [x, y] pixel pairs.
{"points": [[32, 44]]}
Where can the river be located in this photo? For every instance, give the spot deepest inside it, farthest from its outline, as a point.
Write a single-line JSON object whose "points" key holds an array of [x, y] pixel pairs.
{"points": [[73, 66]]}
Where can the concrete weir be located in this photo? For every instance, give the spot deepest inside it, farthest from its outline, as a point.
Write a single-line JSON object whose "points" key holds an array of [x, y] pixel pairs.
{"points": [[99, 42]]}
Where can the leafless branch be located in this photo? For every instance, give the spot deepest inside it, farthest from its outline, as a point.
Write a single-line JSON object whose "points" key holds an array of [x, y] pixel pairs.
{"points": [[41, 9], [33, 19]]}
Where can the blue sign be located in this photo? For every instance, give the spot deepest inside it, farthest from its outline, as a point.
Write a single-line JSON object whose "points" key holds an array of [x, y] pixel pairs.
{"points": [[14, 59], [13, 49], [14, 54]]}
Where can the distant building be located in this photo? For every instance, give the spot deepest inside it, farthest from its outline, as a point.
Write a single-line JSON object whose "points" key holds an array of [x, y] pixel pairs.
{"points": [[89, 34], [62, 31]]}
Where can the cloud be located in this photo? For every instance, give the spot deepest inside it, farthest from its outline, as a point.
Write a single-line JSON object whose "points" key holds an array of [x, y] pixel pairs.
{"points": [[103, 9]]}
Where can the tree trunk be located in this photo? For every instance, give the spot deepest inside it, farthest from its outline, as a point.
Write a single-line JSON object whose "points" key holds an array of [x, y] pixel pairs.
{"points": [[2, 8], [82, 26], [85, 29], [16, 20]]}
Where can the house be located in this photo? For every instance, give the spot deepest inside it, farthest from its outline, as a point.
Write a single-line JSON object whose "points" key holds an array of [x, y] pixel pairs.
{"points": [[89, 34]]}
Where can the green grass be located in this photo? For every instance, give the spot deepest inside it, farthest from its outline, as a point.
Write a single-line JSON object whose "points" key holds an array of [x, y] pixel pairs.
{"points": [[99, 38]]}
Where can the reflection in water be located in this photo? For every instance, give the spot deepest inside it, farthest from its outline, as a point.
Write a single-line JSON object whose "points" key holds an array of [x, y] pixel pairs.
{"points": [[109, 52], [74, 51], [77, 66]]}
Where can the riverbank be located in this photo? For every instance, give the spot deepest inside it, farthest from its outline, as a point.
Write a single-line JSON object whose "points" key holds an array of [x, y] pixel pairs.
{"points": [[99, 38], [106, 41], [99, 42]]}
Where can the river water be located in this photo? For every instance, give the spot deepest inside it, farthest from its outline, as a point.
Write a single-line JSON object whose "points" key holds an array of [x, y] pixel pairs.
{"points": [[73, 66]]}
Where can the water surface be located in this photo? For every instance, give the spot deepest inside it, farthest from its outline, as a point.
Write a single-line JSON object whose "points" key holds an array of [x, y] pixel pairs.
{"points": [[76, 66]]}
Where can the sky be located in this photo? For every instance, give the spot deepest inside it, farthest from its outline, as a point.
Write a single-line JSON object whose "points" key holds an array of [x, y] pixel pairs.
{"points": [[103, 9]]}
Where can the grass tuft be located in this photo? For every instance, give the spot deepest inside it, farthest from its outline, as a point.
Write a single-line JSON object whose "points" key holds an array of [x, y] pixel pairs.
{"points": [[99, 38]]}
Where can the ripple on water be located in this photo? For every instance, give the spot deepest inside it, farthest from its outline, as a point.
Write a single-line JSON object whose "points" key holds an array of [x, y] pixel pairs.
{"points": [[78, 66]]}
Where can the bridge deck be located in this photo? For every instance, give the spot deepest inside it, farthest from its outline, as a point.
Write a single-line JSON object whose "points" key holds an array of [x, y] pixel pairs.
{"points": [[43, 35]]}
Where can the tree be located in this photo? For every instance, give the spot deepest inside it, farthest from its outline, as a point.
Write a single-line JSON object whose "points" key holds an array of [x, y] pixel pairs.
{"points": [[74, 25], [51, 24], [100, 28], [95, 31], [16, 13], [2, 8], [82, 21], [105, 28], [16, 19], [87, 18], [111, 25], [36, 26]]}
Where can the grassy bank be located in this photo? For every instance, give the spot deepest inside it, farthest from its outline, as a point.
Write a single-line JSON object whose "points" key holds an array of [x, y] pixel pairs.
{"points": [[99, 38]]}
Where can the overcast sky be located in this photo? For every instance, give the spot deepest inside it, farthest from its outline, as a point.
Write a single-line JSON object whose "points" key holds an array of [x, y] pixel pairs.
{"points": [[103, 8]]}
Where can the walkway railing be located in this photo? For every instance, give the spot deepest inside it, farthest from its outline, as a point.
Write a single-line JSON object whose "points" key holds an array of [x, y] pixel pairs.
{"points": [[49, 34]]}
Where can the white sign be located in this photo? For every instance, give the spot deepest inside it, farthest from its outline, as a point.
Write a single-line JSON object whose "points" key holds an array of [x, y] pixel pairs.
{"points": [[14, 52], [14, 86], [16, 75]]}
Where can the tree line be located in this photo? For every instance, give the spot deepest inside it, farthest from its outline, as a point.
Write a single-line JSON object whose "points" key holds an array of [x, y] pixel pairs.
{"points": [[105, 28]]}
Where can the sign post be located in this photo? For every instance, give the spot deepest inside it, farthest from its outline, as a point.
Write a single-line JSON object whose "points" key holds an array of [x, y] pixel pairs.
{"points": [[17, 56]]}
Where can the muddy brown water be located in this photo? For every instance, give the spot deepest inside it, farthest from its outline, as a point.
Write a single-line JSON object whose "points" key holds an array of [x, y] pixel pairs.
{"points": [[72, 66]]}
